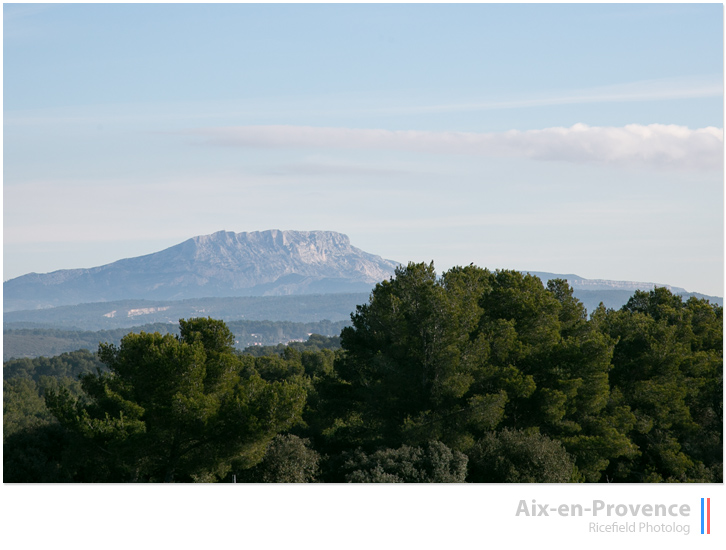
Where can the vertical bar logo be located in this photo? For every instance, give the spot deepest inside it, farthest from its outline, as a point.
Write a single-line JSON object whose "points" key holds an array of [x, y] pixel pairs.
{"points": [[706, 516]]}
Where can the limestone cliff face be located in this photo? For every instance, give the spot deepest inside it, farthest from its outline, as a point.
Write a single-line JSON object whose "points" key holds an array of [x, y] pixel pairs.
{"points": [[222, 264]]}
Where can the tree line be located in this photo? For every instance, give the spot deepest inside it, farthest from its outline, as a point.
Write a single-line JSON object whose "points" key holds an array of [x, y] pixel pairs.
{"points": [[36, 342], [471, 376]]}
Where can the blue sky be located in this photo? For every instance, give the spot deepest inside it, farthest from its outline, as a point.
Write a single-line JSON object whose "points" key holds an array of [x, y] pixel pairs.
{"points": [[581, 139]]}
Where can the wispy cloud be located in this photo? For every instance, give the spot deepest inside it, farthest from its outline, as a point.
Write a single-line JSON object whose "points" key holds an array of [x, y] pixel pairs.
{"points": [[330, 167], [12, 12], [693, 87], [651, 146], [155, 115]]}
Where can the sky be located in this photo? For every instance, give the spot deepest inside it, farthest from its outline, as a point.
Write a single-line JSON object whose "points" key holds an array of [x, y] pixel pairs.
{"points": [[583, 139]]}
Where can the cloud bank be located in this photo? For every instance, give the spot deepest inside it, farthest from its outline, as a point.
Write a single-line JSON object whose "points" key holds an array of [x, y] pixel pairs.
{"points": [[634, 145]]}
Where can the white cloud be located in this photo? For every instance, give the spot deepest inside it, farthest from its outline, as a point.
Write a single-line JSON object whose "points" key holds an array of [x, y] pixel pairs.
{"points": [[651, 146]]}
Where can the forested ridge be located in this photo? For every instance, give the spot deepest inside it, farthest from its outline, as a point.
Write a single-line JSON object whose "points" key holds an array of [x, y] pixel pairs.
{"points": [[34, 342], [473, 376]]}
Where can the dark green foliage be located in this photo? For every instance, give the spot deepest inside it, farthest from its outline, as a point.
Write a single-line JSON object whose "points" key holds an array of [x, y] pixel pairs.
{"points": [[318, 364], [433, 462], [412, 359], [67, 365], [274, 367], [516, 456], [26, 382], [288, 459], [315, 342], [37, 454], [668, 368], [475, 352], [474, 375], [176, 408], [23, 407]]}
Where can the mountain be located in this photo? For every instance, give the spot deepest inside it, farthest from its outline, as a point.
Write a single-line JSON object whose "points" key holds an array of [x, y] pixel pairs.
{"points": [[614, 294], [209, 274], [260, 263], [580, 283]]}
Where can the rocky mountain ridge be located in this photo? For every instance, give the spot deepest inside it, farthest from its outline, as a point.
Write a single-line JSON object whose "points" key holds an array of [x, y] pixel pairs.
{"points": [[260, 263], [233, 265], [580, 283]]}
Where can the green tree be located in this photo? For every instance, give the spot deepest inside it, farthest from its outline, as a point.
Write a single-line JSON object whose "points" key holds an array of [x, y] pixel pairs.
{"points": [[176, 408], [457, 357], [288, 459], [38, 454], [433, 462], [23, 407], [668, 369], [516, 456], [67, 365], [409, 359]]}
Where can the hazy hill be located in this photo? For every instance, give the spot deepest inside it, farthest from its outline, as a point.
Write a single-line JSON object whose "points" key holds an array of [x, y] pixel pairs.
{"points": [[614, 294], [265, 263], [35, 342], [580, 283], [296, 308], [129, 313]]}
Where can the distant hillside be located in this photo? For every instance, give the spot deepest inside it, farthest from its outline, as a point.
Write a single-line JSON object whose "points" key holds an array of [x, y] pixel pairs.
{"points": [[301, 309], [580, 283], [615, 299], [37, 342], [129, 313], [614, 294], [40, 342], [266, 263]]}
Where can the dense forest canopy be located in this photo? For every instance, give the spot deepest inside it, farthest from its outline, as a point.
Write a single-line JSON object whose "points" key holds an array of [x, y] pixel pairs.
{"points": [[473, 375]]}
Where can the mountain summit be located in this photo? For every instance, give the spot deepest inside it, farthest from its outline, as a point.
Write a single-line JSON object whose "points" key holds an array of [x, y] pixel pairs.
{"points": [[259, 263]]}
